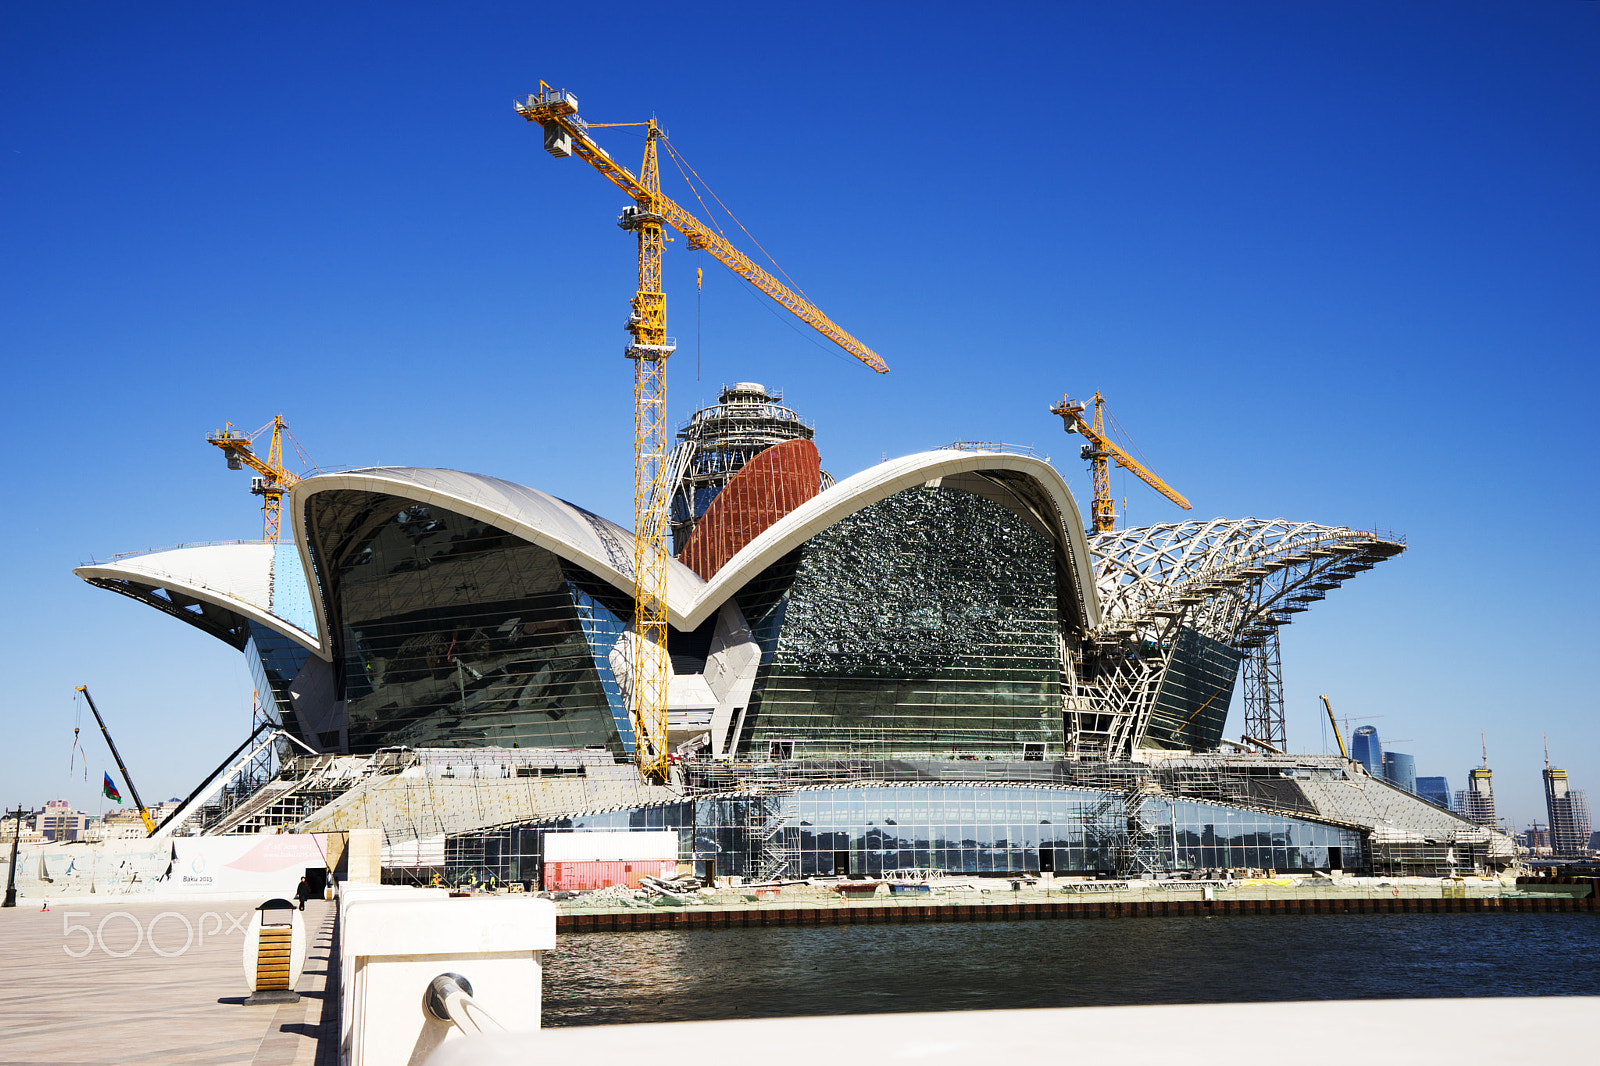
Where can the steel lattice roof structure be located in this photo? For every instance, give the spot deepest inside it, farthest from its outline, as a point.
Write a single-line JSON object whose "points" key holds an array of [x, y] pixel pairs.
{"points": [[1229, 578], [1229, 581]]}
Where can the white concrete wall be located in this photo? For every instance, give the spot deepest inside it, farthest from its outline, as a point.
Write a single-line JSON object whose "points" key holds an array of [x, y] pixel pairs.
{"points": [[394, 941]]}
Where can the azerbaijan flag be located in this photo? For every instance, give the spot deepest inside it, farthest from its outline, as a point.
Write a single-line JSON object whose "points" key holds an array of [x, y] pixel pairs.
{"points": [[110, 790]]}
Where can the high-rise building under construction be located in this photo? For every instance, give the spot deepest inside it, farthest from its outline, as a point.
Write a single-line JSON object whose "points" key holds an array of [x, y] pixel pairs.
{"points": [[1477, 802], [1569, 815]]}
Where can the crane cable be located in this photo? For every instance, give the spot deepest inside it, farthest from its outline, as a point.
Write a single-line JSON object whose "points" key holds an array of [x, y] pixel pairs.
{"points": [[77, 743], [682, 162], [1126, 435]]}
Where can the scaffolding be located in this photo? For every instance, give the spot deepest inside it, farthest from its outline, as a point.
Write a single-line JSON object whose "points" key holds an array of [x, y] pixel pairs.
{"points": [[1263, 693], [264, 766]]}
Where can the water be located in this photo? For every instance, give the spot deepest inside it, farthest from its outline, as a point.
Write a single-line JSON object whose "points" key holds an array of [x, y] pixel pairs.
{"points": [[611, 978]]}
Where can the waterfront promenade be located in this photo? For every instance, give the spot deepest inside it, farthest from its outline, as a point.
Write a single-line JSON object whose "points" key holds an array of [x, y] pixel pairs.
{"points": [[157, 983]]}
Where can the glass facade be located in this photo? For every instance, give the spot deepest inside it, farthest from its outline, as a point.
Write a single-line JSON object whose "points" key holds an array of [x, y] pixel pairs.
{"points": [[1367, 749], [924, 623], [1400, 770], [454, 633], [959, 829], [291, 600], [274, 661], [1435, 790], [1191, 708]]}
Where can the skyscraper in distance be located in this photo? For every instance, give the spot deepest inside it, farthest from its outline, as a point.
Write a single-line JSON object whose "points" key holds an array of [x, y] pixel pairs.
{"points": [[1367, 749], [1400, 770], [1435, 790], [1568, 811]]}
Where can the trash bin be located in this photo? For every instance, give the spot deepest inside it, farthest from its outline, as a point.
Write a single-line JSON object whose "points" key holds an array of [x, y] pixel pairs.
{"points": [[274, 953]]}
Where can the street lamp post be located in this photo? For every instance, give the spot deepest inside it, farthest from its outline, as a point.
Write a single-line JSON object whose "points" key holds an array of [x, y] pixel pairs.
{"points": [[11, 876]]}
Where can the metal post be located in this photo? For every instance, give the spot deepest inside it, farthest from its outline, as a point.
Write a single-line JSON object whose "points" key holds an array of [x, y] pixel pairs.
{"points": [[11, 877]]}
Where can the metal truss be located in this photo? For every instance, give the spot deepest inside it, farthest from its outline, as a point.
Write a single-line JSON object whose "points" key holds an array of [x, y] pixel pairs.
{"points": [[1236, 581], [1263, 694]]}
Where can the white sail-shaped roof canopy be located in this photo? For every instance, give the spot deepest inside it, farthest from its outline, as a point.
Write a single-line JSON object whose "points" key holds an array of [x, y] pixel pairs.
{"points": [[1028, 485], [599, 546], [216, 588]]}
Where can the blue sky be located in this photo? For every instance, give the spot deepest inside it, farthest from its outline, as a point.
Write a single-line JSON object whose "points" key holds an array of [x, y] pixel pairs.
{"points": [[1330, 262]]}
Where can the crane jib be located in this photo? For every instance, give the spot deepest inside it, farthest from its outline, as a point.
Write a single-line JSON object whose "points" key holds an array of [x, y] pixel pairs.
{"points": [[559, 114]]}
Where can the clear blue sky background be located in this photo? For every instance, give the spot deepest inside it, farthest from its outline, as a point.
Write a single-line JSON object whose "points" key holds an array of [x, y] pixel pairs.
{"points": [[1331, 262]]}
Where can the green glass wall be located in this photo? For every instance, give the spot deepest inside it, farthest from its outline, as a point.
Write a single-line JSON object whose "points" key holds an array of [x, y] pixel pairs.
{"points": [[1191, 709], [922, 624]]}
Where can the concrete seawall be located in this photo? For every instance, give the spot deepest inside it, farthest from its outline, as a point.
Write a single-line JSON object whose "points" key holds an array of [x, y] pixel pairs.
{"points": [[639, 920]]}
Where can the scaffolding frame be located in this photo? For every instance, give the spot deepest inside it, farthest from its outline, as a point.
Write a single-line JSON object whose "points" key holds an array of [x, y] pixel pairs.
{"points": [[1263, 693]]}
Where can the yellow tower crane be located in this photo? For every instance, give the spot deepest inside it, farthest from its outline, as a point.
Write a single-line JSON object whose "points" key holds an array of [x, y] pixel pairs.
{"points": [[565, 135], [274, 479], [1340, 739], [1099, 451]]}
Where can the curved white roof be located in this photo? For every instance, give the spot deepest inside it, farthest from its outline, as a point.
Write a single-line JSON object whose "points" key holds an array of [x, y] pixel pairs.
{"points": [[605, 549], [882, 481], [600, 546], [235, 577]]}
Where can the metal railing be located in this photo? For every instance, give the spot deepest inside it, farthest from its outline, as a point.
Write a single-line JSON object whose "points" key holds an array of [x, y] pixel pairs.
{"points": [[449, 999]]}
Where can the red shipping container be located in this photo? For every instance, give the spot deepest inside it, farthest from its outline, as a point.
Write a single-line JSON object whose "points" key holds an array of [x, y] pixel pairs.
{"points": [[586, 876]]}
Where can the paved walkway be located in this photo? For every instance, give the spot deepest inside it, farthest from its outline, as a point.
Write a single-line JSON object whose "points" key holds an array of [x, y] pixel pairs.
{"points": [[156, 982]]}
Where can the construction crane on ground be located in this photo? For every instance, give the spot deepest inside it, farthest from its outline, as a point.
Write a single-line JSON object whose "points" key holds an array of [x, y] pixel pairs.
{"points": [[565, 135], [1335, 725], [144, 812], [273, 478], [1099, 451]]}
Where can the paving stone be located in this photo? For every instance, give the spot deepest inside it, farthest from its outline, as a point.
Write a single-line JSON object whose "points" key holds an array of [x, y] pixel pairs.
{"points": [[155, 982]]}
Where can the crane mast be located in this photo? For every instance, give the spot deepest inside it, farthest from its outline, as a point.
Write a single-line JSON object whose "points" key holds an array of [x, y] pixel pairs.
{"points": [[565, 135], [650, 665], [1100, 451]]}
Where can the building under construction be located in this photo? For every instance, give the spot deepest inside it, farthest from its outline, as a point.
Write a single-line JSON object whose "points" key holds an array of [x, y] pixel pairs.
{"points": [[1568, 811], [928, 665], [748, 420]]}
